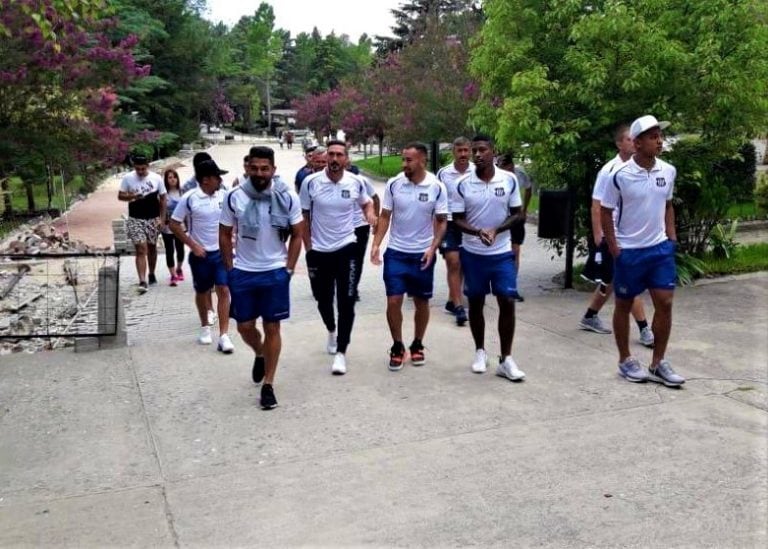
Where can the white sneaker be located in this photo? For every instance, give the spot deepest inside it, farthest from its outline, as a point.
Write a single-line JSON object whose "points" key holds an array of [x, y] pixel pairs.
{"points": [[225, 344], [330, 346], [507, 368], [205, 336], [339, 367], [479, 365], [212, 318]]}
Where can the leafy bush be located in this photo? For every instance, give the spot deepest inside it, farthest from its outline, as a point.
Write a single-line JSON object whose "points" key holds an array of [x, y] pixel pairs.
{"points": [[703, 190], [761, 192], [722, 241], [689, 268]]}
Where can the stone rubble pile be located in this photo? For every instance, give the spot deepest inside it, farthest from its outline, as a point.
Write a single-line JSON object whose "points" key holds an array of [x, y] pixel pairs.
{"points": [[43, 238]]}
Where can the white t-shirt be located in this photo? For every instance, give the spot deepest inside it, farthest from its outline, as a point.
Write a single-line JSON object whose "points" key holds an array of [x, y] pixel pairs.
{"points": [[449, 176], [486, 205], [523, 179], [360, 220], [202, 213], [267, 251], [413, 208], [640, 196], [604, 178], [332, 208], [152, 182]]}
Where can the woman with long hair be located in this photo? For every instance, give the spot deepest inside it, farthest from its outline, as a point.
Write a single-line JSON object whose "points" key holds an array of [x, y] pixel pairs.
{"points": [[171, 242]]}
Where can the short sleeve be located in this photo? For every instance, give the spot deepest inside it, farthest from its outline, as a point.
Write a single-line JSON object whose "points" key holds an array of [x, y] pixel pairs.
{"points": [[671, 189], [362, 194], [458, 204], [514, 196], [441, 204], [611, 192], [125, 185], [227, 217], [295, 213], [182, 209], [387, 202], [304, 197], [161, 190], [368, 187], [599, 189]]}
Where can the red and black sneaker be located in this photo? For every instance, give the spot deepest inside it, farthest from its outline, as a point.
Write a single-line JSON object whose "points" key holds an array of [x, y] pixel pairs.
{"points": [[417, 354], [396, 357]]}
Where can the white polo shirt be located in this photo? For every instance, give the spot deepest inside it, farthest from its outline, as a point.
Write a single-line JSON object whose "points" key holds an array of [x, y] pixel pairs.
{"points": [[640, 196], [332, 208], [413, 207], [360, 220], [202, 213], [486, 205], [267, 251], [449, 176], [604, 178]]}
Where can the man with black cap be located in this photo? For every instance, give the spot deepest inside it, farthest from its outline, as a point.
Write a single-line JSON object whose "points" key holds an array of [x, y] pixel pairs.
{"points": [[201, 207], [145, 193], [642, 243]]}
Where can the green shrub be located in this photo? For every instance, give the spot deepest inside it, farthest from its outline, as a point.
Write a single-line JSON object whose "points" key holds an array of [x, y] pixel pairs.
{"points": [[722, 241], [761, 192]]}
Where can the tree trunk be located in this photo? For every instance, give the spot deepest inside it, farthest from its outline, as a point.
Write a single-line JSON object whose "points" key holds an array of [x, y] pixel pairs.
{"points": [[30, 188], [5, 185]]}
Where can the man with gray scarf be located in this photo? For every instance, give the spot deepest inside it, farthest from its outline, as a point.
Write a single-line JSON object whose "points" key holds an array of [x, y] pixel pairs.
{"points": [[267, 213]]}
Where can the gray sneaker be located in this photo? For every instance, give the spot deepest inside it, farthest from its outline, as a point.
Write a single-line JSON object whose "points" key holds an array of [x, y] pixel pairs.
{"points": [[646, 336], [594, 324], [632, 370], [663, 373]]}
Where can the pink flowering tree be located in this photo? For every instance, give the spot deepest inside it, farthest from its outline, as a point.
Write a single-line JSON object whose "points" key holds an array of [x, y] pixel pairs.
{"points": [[317, 112], [59, 76]]}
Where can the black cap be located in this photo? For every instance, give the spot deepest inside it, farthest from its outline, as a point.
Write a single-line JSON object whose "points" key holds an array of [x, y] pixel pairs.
{"points": [[139, 160], [206, 168]]}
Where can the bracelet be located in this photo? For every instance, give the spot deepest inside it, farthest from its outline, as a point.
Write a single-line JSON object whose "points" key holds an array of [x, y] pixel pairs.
{"points": [[289, 271]]}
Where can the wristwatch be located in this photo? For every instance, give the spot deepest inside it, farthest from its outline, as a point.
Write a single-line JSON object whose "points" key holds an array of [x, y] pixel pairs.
{"points": [[289, 271]]}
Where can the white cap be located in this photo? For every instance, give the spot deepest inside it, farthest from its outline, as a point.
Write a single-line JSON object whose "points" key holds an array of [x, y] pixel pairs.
{"points": [[645, 123]]}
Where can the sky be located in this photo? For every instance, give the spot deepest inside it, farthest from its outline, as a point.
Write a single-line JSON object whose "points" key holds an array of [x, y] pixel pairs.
{"points": [[350, 17]]}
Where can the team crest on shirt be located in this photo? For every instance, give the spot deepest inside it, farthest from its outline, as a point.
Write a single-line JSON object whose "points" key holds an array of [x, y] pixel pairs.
{"points": [[345, 194], [423, 197], [661, 182], [500, 191]]}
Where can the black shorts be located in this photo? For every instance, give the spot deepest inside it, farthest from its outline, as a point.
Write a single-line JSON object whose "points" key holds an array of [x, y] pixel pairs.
{"points": [[518, 233], [599, 268]]}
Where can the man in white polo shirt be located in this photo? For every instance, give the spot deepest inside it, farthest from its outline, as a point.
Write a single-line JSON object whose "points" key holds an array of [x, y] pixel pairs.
{"points": [[486, 206], [599, 267], [266, 213], [329, 200], [416, 206], [451, 244], [201, 207], [643, 245]]}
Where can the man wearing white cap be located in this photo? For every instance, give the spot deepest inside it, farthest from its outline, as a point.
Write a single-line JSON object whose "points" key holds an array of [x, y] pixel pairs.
{"points": [[643, 244]]}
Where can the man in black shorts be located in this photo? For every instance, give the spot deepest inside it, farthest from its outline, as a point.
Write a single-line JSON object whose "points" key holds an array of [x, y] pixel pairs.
{"points": [[525, 183]]}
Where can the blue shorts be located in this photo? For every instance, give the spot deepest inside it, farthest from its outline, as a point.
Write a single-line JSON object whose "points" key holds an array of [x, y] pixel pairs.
{"points": [[207, 271], [403, 274], [489, 273], [640, 269], [264, 294], [452, 239]]}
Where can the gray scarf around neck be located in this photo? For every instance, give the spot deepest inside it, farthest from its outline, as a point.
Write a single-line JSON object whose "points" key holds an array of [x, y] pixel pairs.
{"points": [[279, 211]]}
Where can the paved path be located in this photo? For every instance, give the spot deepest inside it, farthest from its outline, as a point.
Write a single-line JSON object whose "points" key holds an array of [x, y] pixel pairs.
{"points": [[163, 443]]}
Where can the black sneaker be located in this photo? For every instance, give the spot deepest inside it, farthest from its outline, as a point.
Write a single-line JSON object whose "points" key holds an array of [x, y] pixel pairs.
{"points": [[450, 308], [257, 374], [268, 400], [519, 298], [152, 278], [143, 288], [396, 357], [461, 316]]}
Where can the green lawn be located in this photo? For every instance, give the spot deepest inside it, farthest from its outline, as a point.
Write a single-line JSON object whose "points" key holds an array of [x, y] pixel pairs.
{"points": [[19, 194], [745, 259], [742, 210], [390, 166]]}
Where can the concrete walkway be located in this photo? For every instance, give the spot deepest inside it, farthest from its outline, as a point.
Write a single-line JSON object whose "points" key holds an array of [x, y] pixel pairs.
{"points": [[163, 443]]}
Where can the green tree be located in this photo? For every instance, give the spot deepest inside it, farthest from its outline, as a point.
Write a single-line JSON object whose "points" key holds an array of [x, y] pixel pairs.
{"points": [[558, 76]]}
